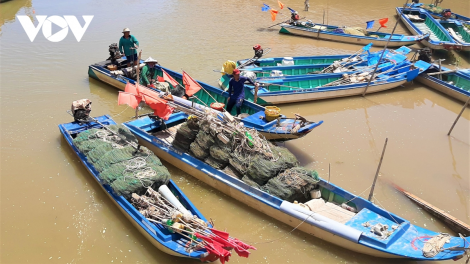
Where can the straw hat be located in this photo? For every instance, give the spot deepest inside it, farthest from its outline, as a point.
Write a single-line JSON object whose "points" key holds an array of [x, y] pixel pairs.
{"points": [[126, 30], [150, 59]]}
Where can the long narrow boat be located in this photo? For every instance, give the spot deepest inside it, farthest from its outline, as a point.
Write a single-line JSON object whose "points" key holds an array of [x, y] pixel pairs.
{"points": [[457, 31], [331, 223], [264, 67], [419, 21], [271, 130], [455, 84], [157, 234], [317, 87], [335, 33], [436, 11]]}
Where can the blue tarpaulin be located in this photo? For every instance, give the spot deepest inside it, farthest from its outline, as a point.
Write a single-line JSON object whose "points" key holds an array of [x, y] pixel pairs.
{"points": [[370, 24]]}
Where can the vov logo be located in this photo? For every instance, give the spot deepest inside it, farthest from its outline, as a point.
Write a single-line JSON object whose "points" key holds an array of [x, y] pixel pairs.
{"points": [[45, 22]]}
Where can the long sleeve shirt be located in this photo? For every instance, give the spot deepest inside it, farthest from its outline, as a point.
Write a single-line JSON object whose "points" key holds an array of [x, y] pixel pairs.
{"points": [[125, 45], [236, 90], [147, 73]]}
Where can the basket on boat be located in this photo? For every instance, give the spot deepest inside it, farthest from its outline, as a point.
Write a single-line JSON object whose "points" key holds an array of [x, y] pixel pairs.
{"points": [[272, 112], [218, 106]]}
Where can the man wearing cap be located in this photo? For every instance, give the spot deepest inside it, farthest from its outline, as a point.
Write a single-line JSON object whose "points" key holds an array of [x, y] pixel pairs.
{"points": [[149, 73], [236, 91], [128, 45]]}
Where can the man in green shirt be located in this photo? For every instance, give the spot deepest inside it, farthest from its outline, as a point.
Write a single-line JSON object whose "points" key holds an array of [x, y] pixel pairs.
{"points": [[149, 73], [128, 45]]}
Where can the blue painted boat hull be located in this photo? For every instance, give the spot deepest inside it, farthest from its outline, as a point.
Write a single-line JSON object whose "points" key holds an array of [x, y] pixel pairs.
{"points": [[159, 236], [351, 235], [461, 92]]}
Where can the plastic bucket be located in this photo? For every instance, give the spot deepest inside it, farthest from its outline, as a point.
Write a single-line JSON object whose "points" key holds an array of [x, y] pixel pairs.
{"points": [[287, 61], [272, 112], [218, 106]]}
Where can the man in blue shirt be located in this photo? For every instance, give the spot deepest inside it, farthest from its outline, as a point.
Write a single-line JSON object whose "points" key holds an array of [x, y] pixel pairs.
{"points": [[128, 45], [236, 91]]}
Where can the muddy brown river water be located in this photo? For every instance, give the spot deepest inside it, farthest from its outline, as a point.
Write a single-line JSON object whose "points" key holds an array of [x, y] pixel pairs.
{"points": [[52, 211]]}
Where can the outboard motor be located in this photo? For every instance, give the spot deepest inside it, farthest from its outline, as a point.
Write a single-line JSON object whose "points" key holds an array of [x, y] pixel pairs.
{"points": [[81, 110], [114, 53], [425, 55], [258, 51]]}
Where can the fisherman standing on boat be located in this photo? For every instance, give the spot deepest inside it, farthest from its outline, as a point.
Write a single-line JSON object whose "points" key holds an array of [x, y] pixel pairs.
{"points": [[149, 73], [128, 45], [236, 91]]}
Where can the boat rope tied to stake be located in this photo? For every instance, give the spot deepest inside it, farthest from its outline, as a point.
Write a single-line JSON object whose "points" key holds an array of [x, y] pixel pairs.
{"points": [[158, 209]]}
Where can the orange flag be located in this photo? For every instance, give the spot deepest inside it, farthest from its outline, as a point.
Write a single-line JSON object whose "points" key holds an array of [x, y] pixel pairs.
{"points": [[169, 79], [130, 88], [383, 21], [190, 84], [159, 106], [281, 5], [129, 99], [273, 14]]}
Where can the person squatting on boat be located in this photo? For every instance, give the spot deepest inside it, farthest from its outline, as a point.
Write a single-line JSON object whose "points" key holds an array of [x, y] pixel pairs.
{"points": [[128, 45], [236, 91], [149, 73]]}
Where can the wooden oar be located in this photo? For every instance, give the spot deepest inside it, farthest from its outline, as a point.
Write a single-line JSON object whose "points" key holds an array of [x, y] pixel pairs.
{"points": [[455, 224]]}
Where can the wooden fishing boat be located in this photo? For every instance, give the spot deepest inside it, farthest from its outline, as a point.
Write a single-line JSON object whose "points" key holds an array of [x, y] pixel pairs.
{"points": [[157, 234], [325, 86], [435, 12], [251, 112], [455, 84], [361, 60], [458, 32], [332, 223], [419, 21], [335, 33]]}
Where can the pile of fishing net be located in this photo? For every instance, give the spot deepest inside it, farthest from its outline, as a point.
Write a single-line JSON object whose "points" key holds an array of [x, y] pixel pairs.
{"points": [[357, 31], [293, 184], [120, 165], [433, 8], [185, 135]]}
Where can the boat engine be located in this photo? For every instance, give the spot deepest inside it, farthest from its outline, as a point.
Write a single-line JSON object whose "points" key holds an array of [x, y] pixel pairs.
{"points": [[425, 55], [114, 53], [258, 51], [81, 110]]}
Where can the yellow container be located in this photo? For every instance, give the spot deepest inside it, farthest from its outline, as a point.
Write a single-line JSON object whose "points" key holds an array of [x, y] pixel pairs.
{"points": [[272, 112]]}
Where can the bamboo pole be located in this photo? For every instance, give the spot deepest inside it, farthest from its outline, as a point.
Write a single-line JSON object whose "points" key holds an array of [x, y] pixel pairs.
{"points": [[256, 94], [383, 52], [138, 81], [371, 194], [457, 119]]}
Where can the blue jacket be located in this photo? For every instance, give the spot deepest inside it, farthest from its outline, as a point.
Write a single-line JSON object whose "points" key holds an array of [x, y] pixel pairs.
{"points": [[236, 90]]}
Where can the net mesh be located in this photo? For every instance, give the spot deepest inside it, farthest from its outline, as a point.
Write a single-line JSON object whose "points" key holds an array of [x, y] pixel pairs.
{"points": [[293, 184], [123, 167]]}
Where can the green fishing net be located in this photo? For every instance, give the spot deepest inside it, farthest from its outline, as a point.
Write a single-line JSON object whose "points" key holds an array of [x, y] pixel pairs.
{"points": [[214, 163], [85, 136], [250, 182], [198, 152], [99, 151], [293, 184], [230, 170], [204, 139], [184, 137], [220, 154], [261, 169], [89, 145]]}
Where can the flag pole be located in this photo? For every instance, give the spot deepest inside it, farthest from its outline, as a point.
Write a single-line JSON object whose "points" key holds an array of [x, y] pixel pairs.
{"points": [[138, 82], [383, 52]]}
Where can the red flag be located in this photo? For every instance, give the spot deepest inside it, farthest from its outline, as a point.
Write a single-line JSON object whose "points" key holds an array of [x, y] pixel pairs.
{"points": [[221, 234], [241, 244], [190, 84], [225, 243], [383, 21], [207, 239], [146, 91], [159, 105], [273, 14], [169, 79], [242, 252], [130, 88], [160, 79], [129, 99], [281, 5]]}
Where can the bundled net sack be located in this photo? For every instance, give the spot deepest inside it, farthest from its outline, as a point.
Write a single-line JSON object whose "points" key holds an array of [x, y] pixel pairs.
{"points": [[197, 151], [193, 123], [214, 163], [238, 162], [353, 31], [220, 154], [262, 168], [293, 184], [99, 151], [184, 137], [231, 171], [205, 140], [251, 183]]}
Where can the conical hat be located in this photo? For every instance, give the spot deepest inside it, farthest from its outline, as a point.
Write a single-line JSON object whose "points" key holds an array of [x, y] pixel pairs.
{"points": [[150, 59]]}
